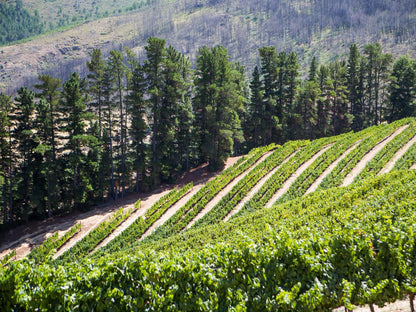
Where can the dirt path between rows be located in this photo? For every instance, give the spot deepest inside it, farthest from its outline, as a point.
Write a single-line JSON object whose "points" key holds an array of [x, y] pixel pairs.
{"points": [[370, 155], [87, 225], [25, 237], [398, 306], [144, 206], [288, 183], [217, 198], [413, 167], [390, 165], [331, 167], [257, 188], [172, 210]]}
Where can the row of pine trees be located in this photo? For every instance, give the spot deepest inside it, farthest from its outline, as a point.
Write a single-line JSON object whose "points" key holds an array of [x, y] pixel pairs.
{"points": [[130, 126]]}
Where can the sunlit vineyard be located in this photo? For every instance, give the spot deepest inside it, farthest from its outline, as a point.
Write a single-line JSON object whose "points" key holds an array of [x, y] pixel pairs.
{"points": [[306, 226]]}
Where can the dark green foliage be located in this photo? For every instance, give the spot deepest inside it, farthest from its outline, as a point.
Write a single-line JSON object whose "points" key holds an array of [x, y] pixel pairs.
{"points": [[218, 99], [338, 98], [76, 163], [26, 143], [255, 112], [5, 149], [377, 67], [117, 68], [16, 23], [137, 125], [48, 124], [136, 108], [355, 87], [402, 89], [272, 114], [153, 67]]}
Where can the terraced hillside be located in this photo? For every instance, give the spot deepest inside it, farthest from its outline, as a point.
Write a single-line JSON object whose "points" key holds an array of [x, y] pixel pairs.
{"points": [[307, 226]]}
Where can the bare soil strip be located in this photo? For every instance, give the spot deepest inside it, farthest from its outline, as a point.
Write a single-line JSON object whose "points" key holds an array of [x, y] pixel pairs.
{"points": [[328, 170], [369, 156], [24, 238], [172, 210], [256, 188], [87, 225], [213, 202], [144, 206], [178, 205], [37, 232], [397, 156], [397, 306], [413, 167], [294, 176]]}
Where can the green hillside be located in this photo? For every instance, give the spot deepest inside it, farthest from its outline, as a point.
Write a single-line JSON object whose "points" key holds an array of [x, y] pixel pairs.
{"points": [[16, 23], [351, 242]]}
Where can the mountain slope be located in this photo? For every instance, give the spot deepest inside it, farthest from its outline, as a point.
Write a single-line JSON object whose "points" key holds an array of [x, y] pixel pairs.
{"points": [[324, 29]]}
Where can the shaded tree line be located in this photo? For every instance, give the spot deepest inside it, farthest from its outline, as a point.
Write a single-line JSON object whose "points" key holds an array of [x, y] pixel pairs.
{"points": [[130, 125], [364, 90]]}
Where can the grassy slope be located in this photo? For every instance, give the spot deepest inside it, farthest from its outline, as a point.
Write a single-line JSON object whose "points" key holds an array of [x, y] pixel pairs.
{"points": [[242, 26]]}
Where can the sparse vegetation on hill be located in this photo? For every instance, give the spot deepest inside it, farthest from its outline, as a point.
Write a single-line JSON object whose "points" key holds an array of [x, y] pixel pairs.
{"points": [[324, 29]]}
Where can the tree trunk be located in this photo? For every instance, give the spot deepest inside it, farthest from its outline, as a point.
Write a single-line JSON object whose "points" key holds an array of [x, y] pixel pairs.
{"points": [[113, 194], [121, 138]]}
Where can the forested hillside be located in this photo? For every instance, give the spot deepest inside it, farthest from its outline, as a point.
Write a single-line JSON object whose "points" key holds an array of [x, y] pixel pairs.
{"points": [[16, 23], [131, 125], [324, 29]]}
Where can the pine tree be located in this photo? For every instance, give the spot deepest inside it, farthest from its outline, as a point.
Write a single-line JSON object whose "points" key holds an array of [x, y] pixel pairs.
{"points": [[50, 93], [354, 86], [118, 69], [108, 131], [5, 152], [217, 100], [306, 109], [338, 95], [25, 144], [49, 90], [272, 117], [255, 112], [42, 163], [95, 77], [377, 70], [176, 114], [402, 89], [184, 134], [153, 67], [136, 107], [74, 107], [324, 83], [313, 69], [290, 87]]}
